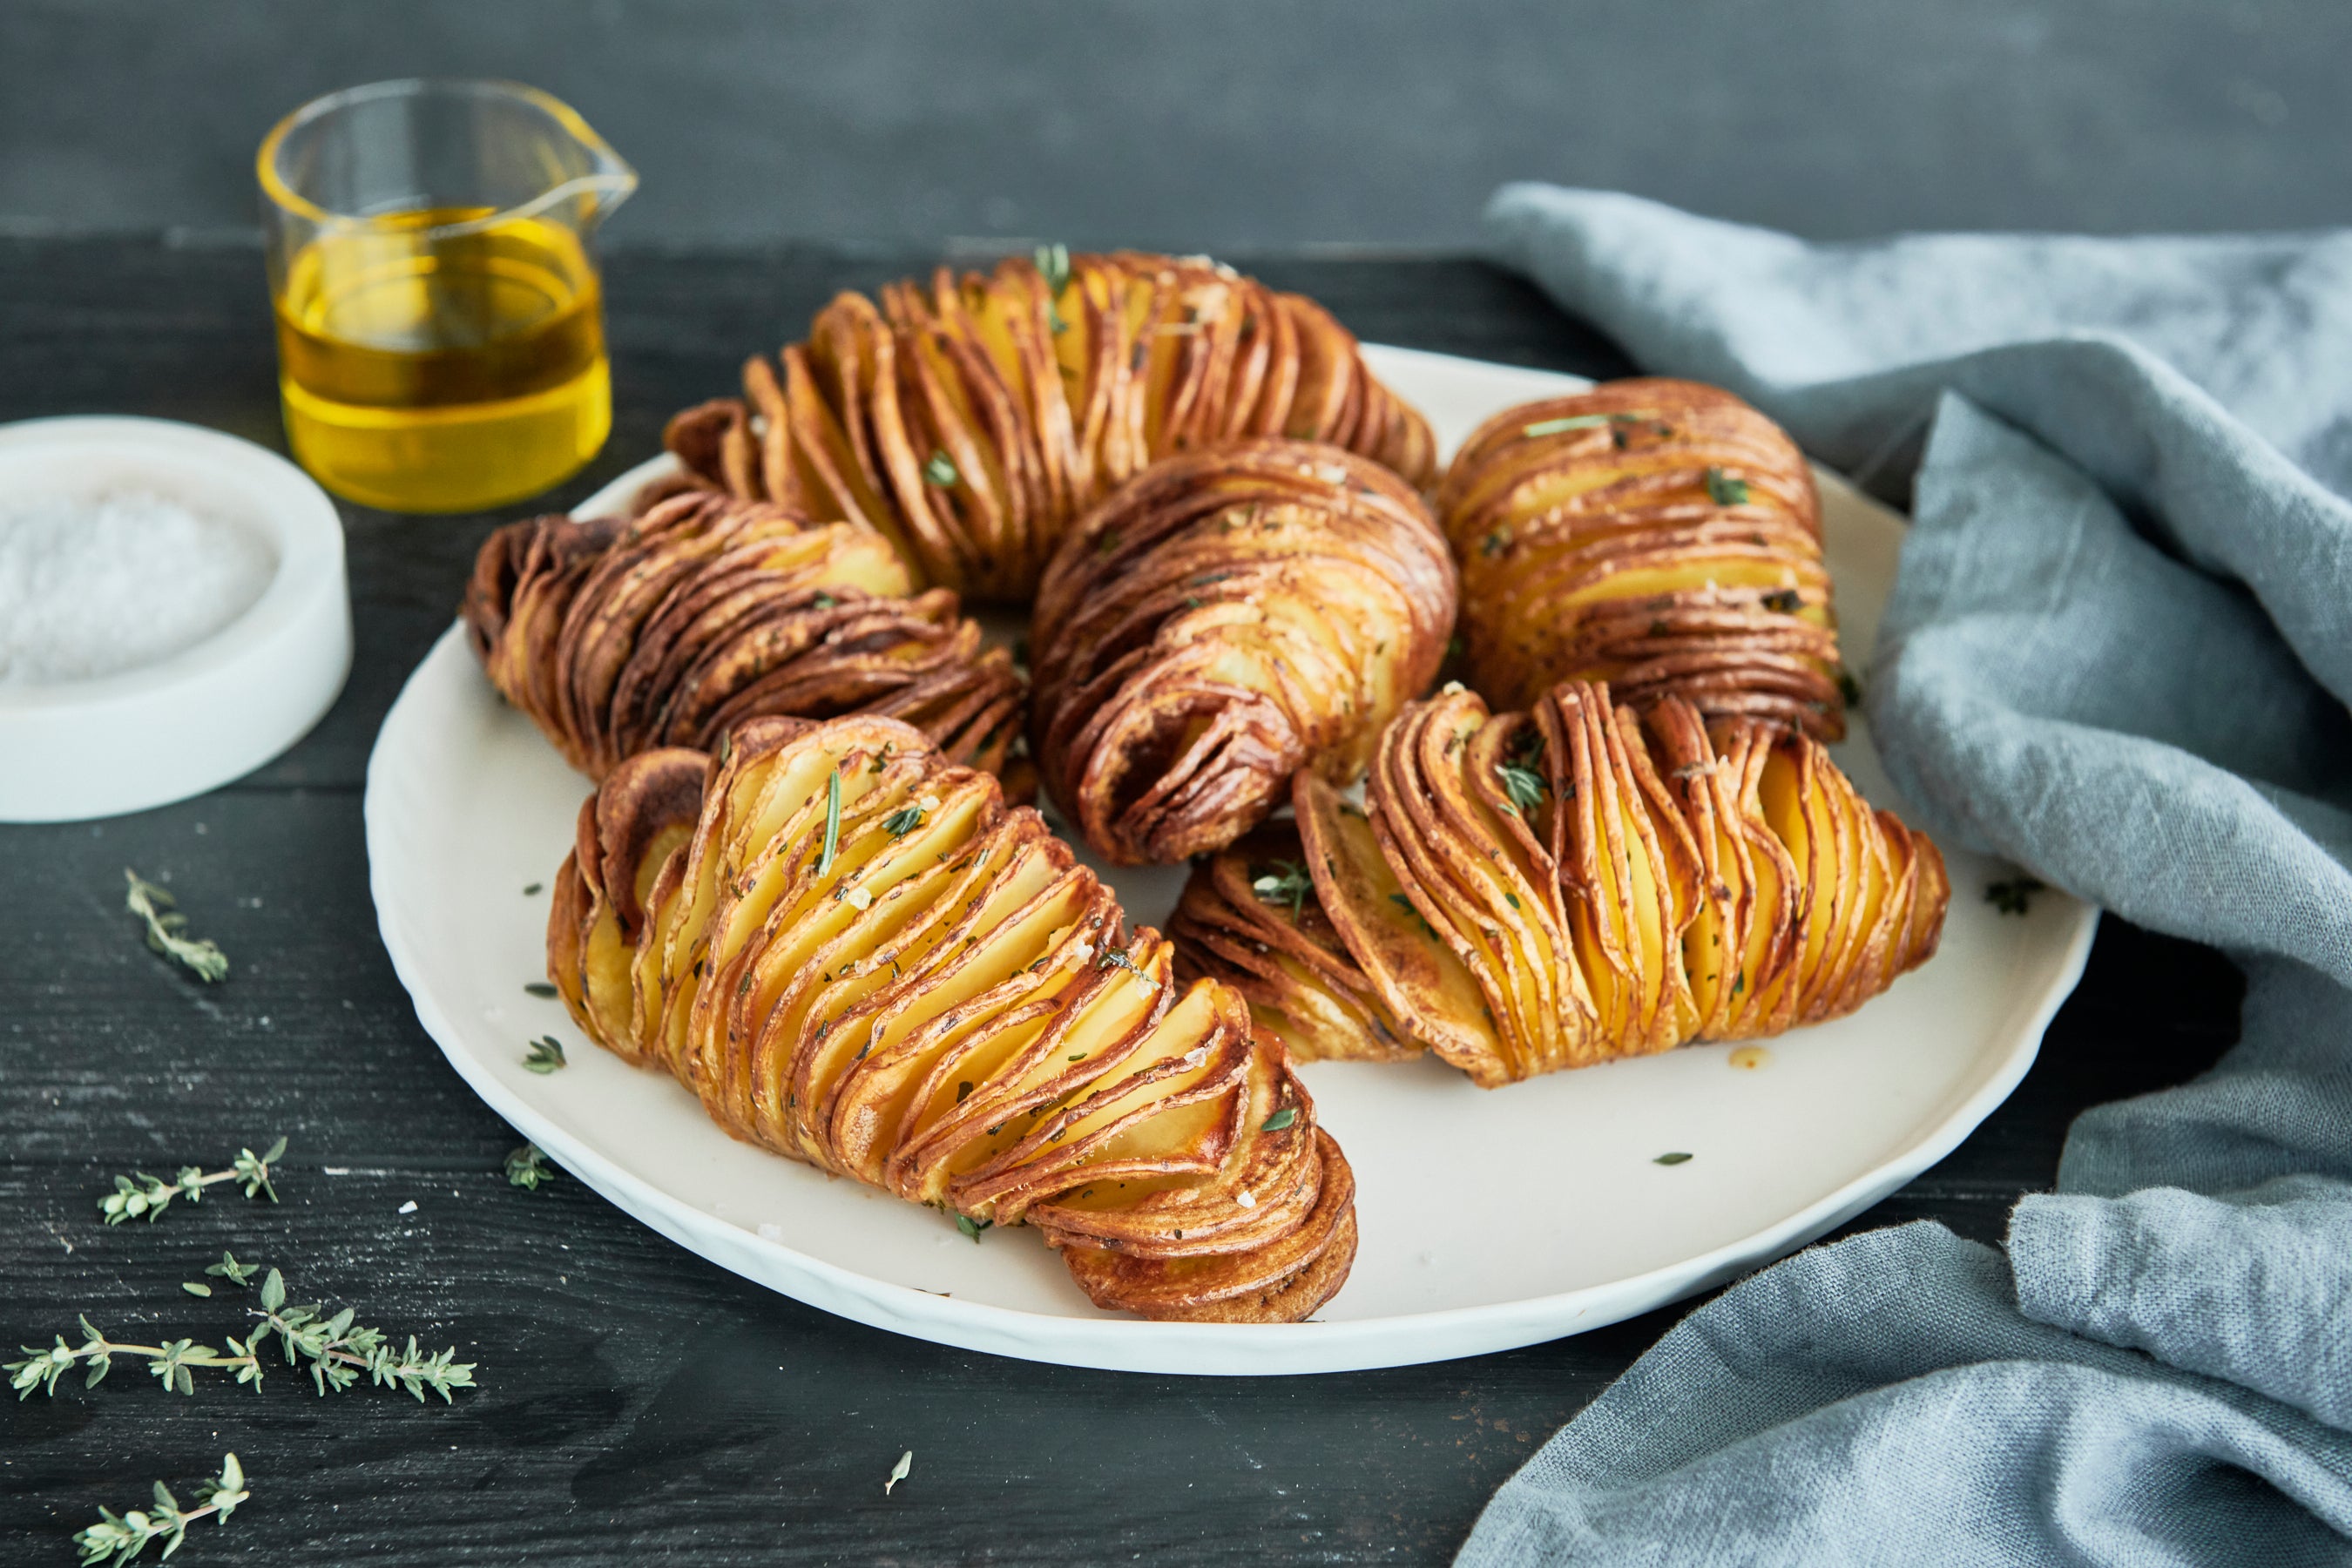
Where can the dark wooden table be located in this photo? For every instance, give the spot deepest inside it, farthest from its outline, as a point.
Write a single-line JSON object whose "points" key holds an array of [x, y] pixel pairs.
{"points": [[636, 1402]]}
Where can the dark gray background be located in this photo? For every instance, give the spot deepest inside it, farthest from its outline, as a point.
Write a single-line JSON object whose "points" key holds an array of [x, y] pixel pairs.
{"points": [[1236, 125]]}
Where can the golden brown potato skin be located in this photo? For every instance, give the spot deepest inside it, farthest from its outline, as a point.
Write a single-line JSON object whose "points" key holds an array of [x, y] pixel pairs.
{"points": [[858, 955], [1528, 892], [1220, 622], [971, 419], [1660, 535], [1250, 917], [671, 628]]}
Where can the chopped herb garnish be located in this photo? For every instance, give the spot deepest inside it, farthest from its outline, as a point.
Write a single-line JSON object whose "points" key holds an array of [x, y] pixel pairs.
{"points": [[1850, 689], [971, 1226], [1286, 882], [527, 1168], [544, 1055], [831, 822], [825, 601], [1723, 489], [1526, 786], [941, 470], [1279, 1120], [1675, 1158], [531, 888], [1496, 542], [1785, 601], [2013, 896], [539, 988], [1512, 899], [902, 822]]}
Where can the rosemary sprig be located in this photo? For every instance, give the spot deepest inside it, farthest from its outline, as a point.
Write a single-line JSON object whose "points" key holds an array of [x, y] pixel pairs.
{"points": [[1286, 882], [527, 1167], [153, 905], [337, 1350], [1723, 489], [831, 822], [543, 1055], [123, 1536], [142, 1196]]}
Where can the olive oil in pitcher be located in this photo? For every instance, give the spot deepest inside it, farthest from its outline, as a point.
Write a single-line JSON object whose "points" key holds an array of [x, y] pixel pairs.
{"points": [[440, 323]]}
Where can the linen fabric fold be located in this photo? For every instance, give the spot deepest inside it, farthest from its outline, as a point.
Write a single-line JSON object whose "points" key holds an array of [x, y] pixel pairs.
{"points": [[2118, 652]]}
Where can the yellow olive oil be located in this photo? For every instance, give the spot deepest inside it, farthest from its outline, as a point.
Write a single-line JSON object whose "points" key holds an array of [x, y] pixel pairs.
{"points": [[443, 372]]}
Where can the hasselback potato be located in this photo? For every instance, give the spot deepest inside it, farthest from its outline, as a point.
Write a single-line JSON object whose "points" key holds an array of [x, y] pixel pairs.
{"points": [[1525, 892], [1660, 535], [668, 628], [1218, 622], [859, 956], [972, 419]]}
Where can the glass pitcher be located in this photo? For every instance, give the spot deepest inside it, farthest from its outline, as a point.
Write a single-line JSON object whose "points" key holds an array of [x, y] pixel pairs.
{"points": [[440, 323]]}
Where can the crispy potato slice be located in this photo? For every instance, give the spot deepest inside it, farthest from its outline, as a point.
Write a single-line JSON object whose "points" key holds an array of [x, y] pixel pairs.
{"points": [[701, 613], [857, 956], [973, 419], [1658, 535], [1218, 623]]}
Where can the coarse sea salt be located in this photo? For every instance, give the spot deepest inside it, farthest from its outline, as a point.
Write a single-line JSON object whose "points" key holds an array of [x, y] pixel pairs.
{"points": [[93, 584]]}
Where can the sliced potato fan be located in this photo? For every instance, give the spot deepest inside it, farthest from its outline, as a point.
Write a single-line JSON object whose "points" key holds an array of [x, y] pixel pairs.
{"points": [[972, 419], [1220, 623], [1528, 892], [859, 956], [671, 628], [1659, 535]]}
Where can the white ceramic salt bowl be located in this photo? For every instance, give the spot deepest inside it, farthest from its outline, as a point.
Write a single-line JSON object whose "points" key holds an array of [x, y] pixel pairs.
{"points": [[214, 711]]}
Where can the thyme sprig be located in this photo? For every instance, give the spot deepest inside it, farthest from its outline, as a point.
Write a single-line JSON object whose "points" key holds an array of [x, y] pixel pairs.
{"points": [[142, 1197], [123, 1536], [164, 925], [527, 1167], [543, 1055], [338, 1350], [1285, 882]]}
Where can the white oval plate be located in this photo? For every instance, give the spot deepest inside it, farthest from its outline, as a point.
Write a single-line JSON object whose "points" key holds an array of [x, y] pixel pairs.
{"points": [[1489, 1219]]}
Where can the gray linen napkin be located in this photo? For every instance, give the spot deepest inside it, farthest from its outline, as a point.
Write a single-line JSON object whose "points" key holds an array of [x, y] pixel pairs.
{"points": [[2118, 652]]}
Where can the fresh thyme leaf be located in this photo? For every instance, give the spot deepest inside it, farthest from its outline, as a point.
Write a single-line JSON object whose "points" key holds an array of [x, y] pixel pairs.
{"points": [[1452, 649], [1053, 261], [1279, 1120], [119, 1537], [539, 988], [972, 1227], [337, 1350], [899, 1471], [902, 822], [1526, 786], [2015, 897], [195, 1288], [1496, 542], [1785, 601], [941, 470], [151, 903], [831, 822], [531, 888], [527, 1168], [544, 1055], [1723, 489], [142, 1196], [1675, 1157], [1285, 882], [230, 1269], [1579, 422]]}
